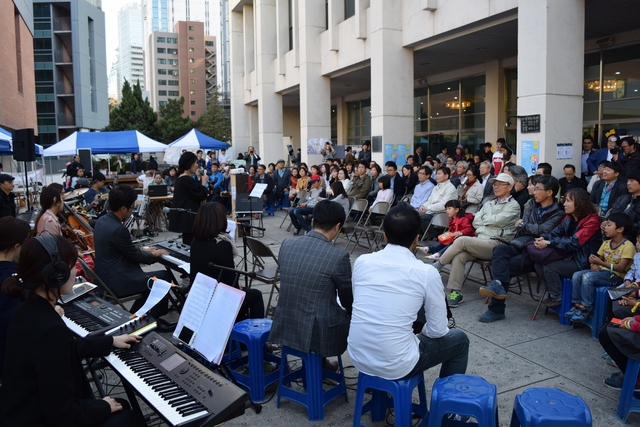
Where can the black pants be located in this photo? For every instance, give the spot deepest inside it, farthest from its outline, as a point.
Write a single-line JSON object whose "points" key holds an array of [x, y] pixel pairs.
{"points": [[253, 305], [162, 307], [609, 346], [125, 418], [507, 262]]}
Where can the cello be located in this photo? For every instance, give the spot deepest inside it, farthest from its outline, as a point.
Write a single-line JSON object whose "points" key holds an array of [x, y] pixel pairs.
{"points": [[81, 231]]}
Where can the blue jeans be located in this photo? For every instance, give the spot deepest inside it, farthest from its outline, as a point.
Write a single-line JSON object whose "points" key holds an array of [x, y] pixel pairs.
{"points": [[584, 284], [438, 247], [297, 218], [452, 350]]}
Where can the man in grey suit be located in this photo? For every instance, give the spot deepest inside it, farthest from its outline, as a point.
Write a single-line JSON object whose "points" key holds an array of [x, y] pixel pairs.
{"points": [[118, 259], [308, 316]]}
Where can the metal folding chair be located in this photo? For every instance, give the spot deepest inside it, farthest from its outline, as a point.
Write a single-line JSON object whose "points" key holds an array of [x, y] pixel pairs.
{"points": [[366, 228], [107, 293], [359, 209], [263, 273], [439, 220], [301, 195]]}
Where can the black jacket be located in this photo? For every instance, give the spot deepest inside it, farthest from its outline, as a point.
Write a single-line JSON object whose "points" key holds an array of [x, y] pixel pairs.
{"points": [[631, 206], [533, 225], [399, 186], [619, 189], [7, 306], [576, 183], [630, 163], [7, 204], [521, 197], [187, 194], [44, 383]]}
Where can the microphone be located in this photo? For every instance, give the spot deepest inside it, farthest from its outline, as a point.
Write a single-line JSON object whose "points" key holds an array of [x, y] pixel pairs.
{"points": [[167, 210]]}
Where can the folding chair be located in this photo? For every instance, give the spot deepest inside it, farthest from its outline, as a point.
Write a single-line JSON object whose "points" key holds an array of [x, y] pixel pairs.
{"points": [[439, 220], [358, 208], [381, 208], [107, 293], [270, 274], [406, 198], [301, 195]]}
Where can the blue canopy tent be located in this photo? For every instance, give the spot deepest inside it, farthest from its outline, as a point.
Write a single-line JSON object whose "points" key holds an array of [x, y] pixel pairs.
{"points": [[6, 144], [128, 141], [195, 139]]}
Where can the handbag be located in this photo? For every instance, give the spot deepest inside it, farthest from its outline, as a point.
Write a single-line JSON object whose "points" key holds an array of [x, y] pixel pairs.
{"points": [[520, 241], [544, 256], [447, 237]]}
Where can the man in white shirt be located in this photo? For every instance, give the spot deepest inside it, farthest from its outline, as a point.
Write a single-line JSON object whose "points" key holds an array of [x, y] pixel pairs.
{"points": [[441, 194], [224, 157], [381, 339]]}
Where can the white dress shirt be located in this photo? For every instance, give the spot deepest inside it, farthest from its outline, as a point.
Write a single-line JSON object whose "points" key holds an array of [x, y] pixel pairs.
{"points": [[389, 287]]}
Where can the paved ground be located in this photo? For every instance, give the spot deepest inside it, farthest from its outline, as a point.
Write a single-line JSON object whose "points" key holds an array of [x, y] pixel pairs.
{"points": [[514, 354]]}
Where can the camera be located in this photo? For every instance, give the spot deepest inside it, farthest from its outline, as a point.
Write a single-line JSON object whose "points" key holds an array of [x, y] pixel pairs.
{"points": [[201, 171], [615, 150]]}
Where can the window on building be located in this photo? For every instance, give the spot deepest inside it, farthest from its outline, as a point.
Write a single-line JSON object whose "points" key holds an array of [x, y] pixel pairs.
{"points": [[173, 62], [161, 50], [192, 92], [193, 113], [162, 71], [173, 82], [172, 40], [162, 93], [193, 102], [190, 27], [162, 61], [349, 8], [192, 81], [192, 39], [290, 3], [358, 121], [191, 49], [191, 70], [192, 60], [174, 93], [162, 82], [173, 72], [161, 39], [172, 51], [208, 43], [162, 103]]}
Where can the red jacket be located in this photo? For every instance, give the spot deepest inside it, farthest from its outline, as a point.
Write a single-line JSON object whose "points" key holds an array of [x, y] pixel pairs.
{"points": [[463, 225]]}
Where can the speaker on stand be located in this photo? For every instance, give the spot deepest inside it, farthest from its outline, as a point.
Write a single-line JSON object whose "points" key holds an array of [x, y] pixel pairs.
{"points": [[24, 150]]}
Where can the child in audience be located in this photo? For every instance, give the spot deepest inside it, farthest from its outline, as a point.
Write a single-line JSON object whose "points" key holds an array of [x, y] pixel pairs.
{"points": [[608, 268], [459, 225]]}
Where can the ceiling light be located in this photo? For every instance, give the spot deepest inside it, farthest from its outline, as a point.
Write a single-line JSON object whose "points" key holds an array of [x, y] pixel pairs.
{"points": [[610, 85], [455, 105], [617, 72]]}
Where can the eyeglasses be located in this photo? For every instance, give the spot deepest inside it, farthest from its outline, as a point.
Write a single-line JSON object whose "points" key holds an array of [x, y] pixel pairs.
{"points": [[538, 189]]}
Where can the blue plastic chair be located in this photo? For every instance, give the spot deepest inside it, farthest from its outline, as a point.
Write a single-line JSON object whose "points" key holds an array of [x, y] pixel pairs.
{"points": [[464, 395], [627, 402], [400, 390], [599, 311], [566, 301], [254, 334], [549, 407], [312, 374]]}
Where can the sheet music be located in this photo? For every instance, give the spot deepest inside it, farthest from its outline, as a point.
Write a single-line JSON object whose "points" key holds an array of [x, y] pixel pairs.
{"points": [[258, 190], [211, 339], [195, 307], [231, 229], [159, 290]]}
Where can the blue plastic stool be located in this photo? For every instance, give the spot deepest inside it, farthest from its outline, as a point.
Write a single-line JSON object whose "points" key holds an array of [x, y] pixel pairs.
{"points": [[549, 407], [400, 390], [628, 403], [312, 374], [599, 311], [566, 302], [254, 334], [464, 395]]}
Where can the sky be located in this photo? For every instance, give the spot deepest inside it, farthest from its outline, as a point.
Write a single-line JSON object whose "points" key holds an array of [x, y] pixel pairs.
{"points": [[110, 9]]}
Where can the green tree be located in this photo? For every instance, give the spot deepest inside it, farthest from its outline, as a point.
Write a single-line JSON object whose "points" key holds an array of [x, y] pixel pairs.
{"points": [[215, 122], [171, 124], [133, 113]]}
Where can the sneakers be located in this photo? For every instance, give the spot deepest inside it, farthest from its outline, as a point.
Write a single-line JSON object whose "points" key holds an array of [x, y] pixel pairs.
{"points": [[494, 290], [461, 418], [573, 311], [424, 249], [297, 232], [552, 302], [434, 257], [581, 315], [489, 316], [615, 382], [455, 298]]}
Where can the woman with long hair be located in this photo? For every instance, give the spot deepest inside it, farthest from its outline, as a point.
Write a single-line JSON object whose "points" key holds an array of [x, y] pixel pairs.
{"points": [[170, 180], [576, 237], [44, 382], [47, 221], [410, 178], [340, 196], [189, 194], [212, 244], [343, 177]]}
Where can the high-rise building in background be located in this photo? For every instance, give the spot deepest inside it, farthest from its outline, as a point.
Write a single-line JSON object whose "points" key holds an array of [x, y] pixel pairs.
{"points": [[163, 15], [224, 86], [130, 65], [181, 63], [70, 68]]}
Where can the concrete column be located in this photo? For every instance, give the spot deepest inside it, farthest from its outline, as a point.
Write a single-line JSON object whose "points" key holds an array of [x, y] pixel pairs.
{"points": [[269, 102], [551, 74], [392, 77], [315, 89], [494, 103], [240, 113]]}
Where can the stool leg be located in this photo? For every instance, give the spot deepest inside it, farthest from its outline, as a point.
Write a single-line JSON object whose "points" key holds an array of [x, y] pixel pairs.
{"points": [[626, 395], [358, 408], [515, 421], [379, 403], [314, 387]]}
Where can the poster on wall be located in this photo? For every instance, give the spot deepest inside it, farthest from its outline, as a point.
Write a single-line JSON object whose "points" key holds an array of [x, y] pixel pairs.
{"points": [[530, 156], [397, 153], [314, 145]]}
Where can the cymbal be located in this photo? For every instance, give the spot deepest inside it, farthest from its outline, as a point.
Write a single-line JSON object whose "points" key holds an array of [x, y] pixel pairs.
{"points": [[75, 193]]}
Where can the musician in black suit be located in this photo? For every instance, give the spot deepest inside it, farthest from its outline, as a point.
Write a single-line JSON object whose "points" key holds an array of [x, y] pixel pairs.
{"points": [[118, 259], [44, 383]]}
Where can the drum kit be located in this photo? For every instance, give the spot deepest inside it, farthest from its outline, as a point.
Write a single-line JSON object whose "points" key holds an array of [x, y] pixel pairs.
{"points": [[74, 197]]}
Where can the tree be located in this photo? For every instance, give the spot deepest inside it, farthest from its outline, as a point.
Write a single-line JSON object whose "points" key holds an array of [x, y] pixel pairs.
{"points": [[215, 122], [133, 113], [171, 125]]}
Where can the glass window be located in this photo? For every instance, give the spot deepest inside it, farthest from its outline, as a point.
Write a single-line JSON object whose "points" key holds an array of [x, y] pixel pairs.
{"points": [[349, 8], [161, 39], [191, 70], [358, 121], [161, 50], [162, 82], [173, 62], [162, 71], [173, 83], [192, 39], [191, 60], [192, 81], [162, 103], [172, 51], [190, 27], [191, 49], [193, 113], [162, 93], [174, 93], [162, 61], [172, 40], [192, 92], [193, 102], [208, 43], [173, 72], [443, 106]]}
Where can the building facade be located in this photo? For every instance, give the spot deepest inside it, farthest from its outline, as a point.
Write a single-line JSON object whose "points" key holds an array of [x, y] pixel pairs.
{"points": [[70, 68], [130, 65], [433, 72], [17, 87], [182, 63]]}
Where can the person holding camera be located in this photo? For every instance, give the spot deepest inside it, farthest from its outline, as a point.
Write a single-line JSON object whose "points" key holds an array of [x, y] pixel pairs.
{"points": [[328, 153], [251, 157]]}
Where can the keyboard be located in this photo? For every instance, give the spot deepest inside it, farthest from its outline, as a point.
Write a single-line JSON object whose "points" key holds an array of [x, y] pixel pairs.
{"points": [[177, 387], [173, 260], [90, 316]]}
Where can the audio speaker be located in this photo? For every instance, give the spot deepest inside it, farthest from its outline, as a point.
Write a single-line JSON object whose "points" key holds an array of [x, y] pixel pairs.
{"points": [[85, 160], [24, 145]]}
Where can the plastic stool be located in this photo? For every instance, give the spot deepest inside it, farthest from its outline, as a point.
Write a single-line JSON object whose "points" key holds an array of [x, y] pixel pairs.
{"points": [[311, 373], [567, 285], [628, 403], [599, 311], [465, 395], [400, 390], [254, 334], [549, 407]]}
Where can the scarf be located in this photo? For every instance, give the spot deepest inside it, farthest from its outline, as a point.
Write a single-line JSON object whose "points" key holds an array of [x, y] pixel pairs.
{"points": [[225, 237]]}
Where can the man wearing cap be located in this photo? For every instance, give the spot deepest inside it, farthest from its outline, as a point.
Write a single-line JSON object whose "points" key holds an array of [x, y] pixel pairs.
{"points": [[494, 225], [281, 176], [7, 198], [306, 206], [92, 197]]}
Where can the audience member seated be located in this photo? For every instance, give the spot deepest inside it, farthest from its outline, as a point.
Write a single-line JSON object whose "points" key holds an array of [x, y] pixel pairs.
{"points": [[305, 207], [303, 180], [397, 182], [540, 216], [470, 191], [441, 194], [385, 194], [212, 244], [47, 221], [458, 176], [606, 191], [361, 183], [631, 160], [410, 178], [544, 169], [118, 260], [519, 191], [375, 174], [630, 203], [597, 176], [607, 268], [574, 239], [313, 274], [423, 188], [339, 196], [460, 224], [493, 224], [570, 180], [613, 141], [381, 338], [485, 173], [343, 177]]}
